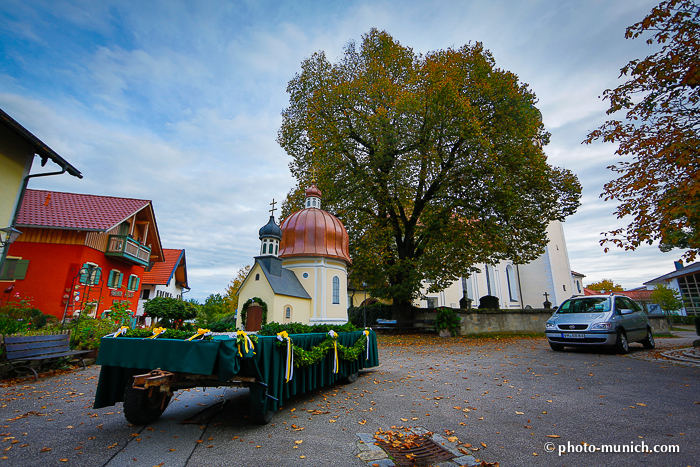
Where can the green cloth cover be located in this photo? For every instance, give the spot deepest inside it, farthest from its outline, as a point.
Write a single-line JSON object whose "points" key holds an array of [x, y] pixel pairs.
{"points": [[122, 357]]}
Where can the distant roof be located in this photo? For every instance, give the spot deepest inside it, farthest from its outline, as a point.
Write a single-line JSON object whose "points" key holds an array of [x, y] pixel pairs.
{"points": [[574, 273], [41, 208], [689, 269], [40, 148], [162, 273]]}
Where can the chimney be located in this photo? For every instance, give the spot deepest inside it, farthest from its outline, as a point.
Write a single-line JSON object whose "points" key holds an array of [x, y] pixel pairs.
{"points": [[48, 198]]}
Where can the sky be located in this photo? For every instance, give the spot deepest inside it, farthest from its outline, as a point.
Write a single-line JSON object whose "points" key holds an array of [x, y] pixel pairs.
{"points": [[179, 102]]}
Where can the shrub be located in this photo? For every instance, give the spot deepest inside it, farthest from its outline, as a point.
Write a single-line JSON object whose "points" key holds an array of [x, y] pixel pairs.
{"points": [[447, 319], [374, 312], [169, 310], [222, 326], [86, 332]]}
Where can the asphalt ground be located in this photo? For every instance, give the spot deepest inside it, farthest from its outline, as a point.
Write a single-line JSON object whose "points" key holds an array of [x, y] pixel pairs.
{"points": [[502, 400]]}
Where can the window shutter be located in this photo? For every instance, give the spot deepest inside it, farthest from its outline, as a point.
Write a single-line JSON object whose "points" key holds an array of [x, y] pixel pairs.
{"points": [[21, 269], [120, 278], [85, 269], [110, 279], [138, 282], [96, 276]]}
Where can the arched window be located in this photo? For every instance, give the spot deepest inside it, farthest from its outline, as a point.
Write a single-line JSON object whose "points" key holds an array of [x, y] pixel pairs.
{"points": [[264, 248], [257, 277], [288, 312], [512, 284], [276, 247], [336, 290]]}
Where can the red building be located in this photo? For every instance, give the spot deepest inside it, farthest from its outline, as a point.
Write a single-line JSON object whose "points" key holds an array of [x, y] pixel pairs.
{"points": [[81, 252]]}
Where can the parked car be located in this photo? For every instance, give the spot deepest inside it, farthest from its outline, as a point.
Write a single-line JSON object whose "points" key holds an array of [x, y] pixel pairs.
{"points": [[611, 321]]}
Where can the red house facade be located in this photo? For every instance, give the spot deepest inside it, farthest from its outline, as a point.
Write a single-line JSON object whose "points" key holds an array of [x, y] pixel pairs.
{"points": [[81, 253]]}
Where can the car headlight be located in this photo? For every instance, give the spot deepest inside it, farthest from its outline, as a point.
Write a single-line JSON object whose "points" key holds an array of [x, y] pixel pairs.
{"points": [[550, 326], [602, 326]]}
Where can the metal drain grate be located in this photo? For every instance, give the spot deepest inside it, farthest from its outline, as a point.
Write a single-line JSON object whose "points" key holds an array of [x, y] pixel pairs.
{"points": [[421, 451]]}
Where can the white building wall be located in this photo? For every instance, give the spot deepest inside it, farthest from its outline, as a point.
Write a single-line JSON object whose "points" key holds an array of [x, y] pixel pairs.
{"points": [[550, 273]]}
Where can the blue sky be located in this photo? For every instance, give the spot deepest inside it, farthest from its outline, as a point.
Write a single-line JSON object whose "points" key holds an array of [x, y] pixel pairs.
{"points": [[179, 102]]}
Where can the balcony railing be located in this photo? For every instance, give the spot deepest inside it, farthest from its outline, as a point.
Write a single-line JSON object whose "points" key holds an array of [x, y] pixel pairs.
{"points": [[125, 247]]}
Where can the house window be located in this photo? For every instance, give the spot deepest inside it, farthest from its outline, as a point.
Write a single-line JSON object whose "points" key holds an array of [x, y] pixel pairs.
{"points": [[432, 302], [512, 289], [145, 293], [578, 286], [336, 290], [133, 283], [114, 281], [90, 274], [14, 269]]}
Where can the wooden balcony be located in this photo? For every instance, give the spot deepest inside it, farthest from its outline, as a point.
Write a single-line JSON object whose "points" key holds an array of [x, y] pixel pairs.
{"points": [[127, 248]]}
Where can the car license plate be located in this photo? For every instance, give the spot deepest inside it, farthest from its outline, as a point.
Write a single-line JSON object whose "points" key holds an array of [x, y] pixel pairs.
{"points": [[573, 336]]}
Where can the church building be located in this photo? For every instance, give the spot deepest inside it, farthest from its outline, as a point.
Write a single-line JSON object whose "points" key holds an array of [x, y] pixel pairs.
{"points": [[301, 272]]}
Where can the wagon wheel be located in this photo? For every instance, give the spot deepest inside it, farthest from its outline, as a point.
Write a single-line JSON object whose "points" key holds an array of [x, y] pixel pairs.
{"points": [[142, 406]]}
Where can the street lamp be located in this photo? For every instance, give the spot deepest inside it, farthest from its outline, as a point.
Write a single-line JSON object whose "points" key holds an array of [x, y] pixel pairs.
{"points": [[11, 235]]}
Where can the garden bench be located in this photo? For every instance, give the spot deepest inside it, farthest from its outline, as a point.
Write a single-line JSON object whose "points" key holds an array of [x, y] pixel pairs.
{"points": [[408, 325], [21, 352]]}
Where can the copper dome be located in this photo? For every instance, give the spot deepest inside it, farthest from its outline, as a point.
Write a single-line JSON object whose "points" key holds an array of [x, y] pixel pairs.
{"points": [[314, 232]]}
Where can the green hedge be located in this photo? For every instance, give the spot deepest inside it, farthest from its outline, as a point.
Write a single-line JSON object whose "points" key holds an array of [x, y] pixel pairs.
{"points": [[272, 329], [676, 319], [374, 312]]}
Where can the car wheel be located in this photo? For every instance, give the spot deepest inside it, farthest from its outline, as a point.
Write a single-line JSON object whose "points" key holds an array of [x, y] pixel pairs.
{"points": [[621, 345], [143, 406], [556, 347], [649, 342]]}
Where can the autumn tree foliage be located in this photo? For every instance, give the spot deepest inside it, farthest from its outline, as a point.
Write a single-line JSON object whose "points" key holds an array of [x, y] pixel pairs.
{"points": [[231, 297], [659, 139], [605, 285], [433, 162]]}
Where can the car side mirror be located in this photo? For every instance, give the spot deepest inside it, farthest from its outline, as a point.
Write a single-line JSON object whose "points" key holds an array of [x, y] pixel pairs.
{"points": [[626, 311]]}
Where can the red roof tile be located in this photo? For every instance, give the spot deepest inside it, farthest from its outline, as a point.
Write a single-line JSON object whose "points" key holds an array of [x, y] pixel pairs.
{"points": [[161, 273], [41, 208]]}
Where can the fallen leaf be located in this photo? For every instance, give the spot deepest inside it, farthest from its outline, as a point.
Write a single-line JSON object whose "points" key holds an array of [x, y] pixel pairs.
{"points": [[553, 436]]}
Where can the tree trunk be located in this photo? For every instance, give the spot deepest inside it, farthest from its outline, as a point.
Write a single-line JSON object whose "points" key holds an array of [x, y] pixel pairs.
{"points": [[402, 311]]}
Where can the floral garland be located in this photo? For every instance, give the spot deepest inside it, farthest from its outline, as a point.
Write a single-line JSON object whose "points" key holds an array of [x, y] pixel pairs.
{"points": [[315, 354], [250, 301]]}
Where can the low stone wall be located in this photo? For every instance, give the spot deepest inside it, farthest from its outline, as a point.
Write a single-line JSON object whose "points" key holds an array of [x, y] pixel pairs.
{"points": [[477, 321], [658, 324]]}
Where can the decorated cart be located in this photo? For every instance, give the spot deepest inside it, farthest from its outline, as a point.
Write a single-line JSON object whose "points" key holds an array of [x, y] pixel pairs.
{"points": [[144, 373]]}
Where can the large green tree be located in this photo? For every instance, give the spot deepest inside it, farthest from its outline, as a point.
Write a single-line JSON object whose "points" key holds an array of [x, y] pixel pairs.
{"points": [[658, 187], [433, 162]]}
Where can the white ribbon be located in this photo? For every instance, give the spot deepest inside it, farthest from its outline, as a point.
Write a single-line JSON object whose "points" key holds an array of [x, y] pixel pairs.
{"points": [[122, 330], [367, 334], [335, 350]]}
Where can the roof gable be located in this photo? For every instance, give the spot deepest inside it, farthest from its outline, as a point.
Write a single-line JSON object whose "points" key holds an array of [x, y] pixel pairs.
{"points": [[52, 209], [162, 273]]}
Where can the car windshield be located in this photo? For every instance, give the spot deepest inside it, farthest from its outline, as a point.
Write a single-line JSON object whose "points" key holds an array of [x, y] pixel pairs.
{"points": [[585, 305]]}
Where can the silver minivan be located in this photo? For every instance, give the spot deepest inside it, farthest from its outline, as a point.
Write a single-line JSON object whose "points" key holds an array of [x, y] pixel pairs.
{"points": [[599, 320]]}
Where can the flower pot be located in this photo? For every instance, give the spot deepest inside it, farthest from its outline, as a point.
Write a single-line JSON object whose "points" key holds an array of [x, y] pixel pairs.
{"points": [[445, 333]]}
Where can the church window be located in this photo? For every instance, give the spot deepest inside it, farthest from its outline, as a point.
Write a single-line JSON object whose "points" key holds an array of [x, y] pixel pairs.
{"points": [[276, 248], [578, 286], [336, 290], [288, 312], [308, 203], [257, 277], [488, 279], [305, 275], [512, 289], [264, 248], [313, 202]]}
